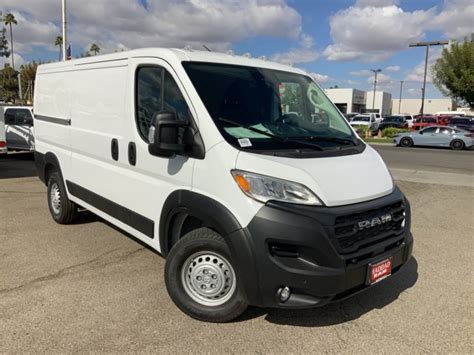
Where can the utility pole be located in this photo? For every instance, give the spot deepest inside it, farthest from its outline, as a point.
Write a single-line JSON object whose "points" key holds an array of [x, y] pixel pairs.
{"points": [[20, 92], [427, 45], [376, 71], [64, 29], [400, 99]]}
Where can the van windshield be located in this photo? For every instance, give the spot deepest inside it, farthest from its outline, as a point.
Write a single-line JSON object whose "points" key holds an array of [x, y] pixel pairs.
{"points": [[257, 105]]}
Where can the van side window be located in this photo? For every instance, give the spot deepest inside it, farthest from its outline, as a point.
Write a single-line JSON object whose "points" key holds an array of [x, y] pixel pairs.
{"points": [[157, 91], [148, 97], [174, 100]]}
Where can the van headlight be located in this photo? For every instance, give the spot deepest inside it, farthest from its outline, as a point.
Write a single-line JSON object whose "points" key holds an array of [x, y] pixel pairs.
{"points": [[265, 188]]}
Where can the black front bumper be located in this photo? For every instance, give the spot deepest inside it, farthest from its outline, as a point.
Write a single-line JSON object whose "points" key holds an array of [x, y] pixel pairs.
{"points": [[318, 252]]}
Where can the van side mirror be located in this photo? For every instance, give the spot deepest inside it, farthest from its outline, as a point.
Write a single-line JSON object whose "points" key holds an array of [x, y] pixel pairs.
{"points": [[164, 135], [420, 132]]}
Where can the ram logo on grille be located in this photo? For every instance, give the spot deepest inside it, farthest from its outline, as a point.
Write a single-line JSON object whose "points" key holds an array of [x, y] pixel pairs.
{"points": [[369, 223]]}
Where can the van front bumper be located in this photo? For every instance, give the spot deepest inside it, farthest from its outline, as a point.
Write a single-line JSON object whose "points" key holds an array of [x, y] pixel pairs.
{"points": [[317, 251]]}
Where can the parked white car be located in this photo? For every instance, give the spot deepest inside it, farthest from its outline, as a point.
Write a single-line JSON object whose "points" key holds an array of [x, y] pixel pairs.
{"points": [[245, 192], [366, 119], [19, 128]]}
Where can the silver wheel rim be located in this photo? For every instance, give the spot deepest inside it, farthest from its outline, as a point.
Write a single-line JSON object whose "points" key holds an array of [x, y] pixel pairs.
{"points": [[55, 198], [208, 278], [457, 145]]}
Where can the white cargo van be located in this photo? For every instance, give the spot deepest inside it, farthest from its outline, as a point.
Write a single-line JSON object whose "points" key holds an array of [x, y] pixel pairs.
{"points": [[239, 171]]}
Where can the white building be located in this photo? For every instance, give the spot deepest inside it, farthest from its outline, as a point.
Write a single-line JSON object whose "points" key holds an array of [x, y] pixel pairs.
{"points": [[412, 106], [347, 100], [353, 100], [382, 103]]}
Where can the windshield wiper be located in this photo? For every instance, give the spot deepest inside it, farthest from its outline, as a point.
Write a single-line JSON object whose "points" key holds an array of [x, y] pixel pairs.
{"points": [[326, 139], [273, 136]]}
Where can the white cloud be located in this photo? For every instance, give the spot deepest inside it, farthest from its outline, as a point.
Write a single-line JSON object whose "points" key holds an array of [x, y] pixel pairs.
{"points": [[381, 79], [393, 68], [364, 72], [127, 24], [373, 33], [416, 74], [456, 19], [304, 54], [320, 78], [376, 3], [18, 61]]}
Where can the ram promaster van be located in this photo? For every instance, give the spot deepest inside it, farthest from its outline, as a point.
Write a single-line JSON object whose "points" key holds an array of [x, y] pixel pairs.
{"points": [[239, 171]]}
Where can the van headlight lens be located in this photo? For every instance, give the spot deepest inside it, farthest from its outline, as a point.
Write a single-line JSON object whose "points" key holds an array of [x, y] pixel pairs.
{"points": [[265, 188]]}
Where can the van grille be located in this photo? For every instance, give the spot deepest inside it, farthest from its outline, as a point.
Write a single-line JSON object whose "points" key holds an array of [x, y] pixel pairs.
{"points": [[349, 238]]}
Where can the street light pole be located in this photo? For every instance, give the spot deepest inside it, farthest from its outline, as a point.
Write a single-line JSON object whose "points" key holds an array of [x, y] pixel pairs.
{"points": [[64, 29], [376, 71], [400, 99], [427, 45]]}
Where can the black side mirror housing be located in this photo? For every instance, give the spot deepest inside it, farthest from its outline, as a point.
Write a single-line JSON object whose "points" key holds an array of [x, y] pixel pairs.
{"points": [[164, 135], [420, 132]]}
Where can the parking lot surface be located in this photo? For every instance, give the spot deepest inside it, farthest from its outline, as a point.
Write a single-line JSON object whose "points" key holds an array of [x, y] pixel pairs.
{"points": [[90, 287]]}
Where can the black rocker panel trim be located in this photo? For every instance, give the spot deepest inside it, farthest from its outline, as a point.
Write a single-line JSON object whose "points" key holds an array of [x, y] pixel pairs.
{"points": [[123, 214]]}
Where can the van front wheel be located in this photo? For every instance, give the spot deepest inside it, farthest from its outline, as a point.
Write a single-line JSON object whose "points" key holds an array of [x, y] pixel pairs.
{"points": [[62, 209], [201, 279]]}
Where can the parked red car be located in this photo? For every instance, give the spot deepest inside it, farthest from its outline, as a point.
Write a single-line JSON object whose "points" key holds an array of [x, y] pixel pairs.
{"points": [[443, 120], [425, 121]]}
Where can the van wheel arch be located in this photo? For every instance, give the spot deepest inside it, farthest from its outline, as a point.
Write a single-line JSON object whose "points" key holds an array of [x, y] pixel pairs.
{"points": [[185, 211]]}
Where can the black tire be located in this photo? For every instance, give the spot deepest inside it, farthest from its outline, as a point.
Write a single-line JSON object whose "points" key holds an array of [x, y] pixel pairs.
{"points": [[406, 142], [66, 211], [205, 242], [457, 144]]}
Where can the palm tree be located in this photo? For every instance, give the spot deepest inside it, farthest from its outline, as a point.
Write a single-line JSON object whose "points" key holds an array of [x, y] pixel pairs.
{"points": [[9, 19], [94, 48], [59, 42]]}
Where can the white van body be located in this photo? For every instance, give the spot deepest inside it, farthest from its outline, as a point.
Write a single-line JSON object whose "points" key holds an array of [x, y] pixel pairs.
{"points": [[3, 140], [19, 128], [88, 117]]}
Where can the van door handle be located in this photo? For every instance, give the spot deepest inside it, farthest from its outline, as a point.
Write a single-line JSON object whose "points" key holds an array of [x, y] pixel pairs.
{"points": [[132, 153], [114, 149]]}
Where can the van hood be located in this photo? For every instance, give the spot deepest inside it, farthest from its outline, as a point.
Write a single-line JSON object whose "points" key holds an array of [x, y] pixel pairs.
{"points": [[335, 180]]}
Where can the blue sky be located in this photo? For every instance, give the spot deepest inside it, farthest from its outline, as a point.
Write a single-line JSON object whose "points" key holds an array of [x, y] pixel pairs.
{"points": [[338, 40]]}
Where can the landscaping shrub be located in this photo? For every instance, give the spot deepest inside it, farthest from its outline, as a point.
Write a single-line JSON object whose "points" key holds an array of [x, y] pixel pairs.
{"points": [[361, 131], [391, 131]]}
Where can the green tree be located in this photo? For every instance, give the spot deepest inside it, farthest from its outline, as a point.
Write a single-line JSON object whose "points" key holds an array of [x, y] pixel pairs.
{"points": [[28, 75], [8, 84], [4, 52], [58, 42], [10, 20], [453, 72], [94, 48]]}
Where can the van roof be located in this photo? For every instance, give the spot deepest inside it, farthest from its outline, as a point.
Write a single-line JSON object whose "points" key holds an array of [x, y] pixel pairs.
{"points": [[173, 55]]}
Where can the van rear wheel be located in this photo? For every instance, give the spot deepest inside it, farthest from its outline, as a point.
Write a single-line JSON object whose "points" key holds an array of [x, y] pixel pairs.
{"points": [[62, 209], [201, 279]]}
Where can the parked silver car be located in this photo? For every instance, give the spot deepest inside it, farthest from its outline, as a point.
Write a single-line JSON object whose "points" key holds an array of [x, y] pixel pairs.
{"points": [[436, 136], [19, 127]]}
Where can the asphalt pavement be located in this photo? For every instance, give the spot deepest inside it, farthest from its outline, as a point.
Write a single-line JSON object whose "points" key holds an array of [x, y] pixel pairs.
{"points": [[89, 287], [427, 159]]}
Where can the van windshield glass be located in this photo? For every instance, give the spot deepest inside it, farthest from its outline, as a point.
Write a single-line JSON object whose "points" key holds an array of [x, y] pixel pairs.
{"points": [[245, 101]]}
